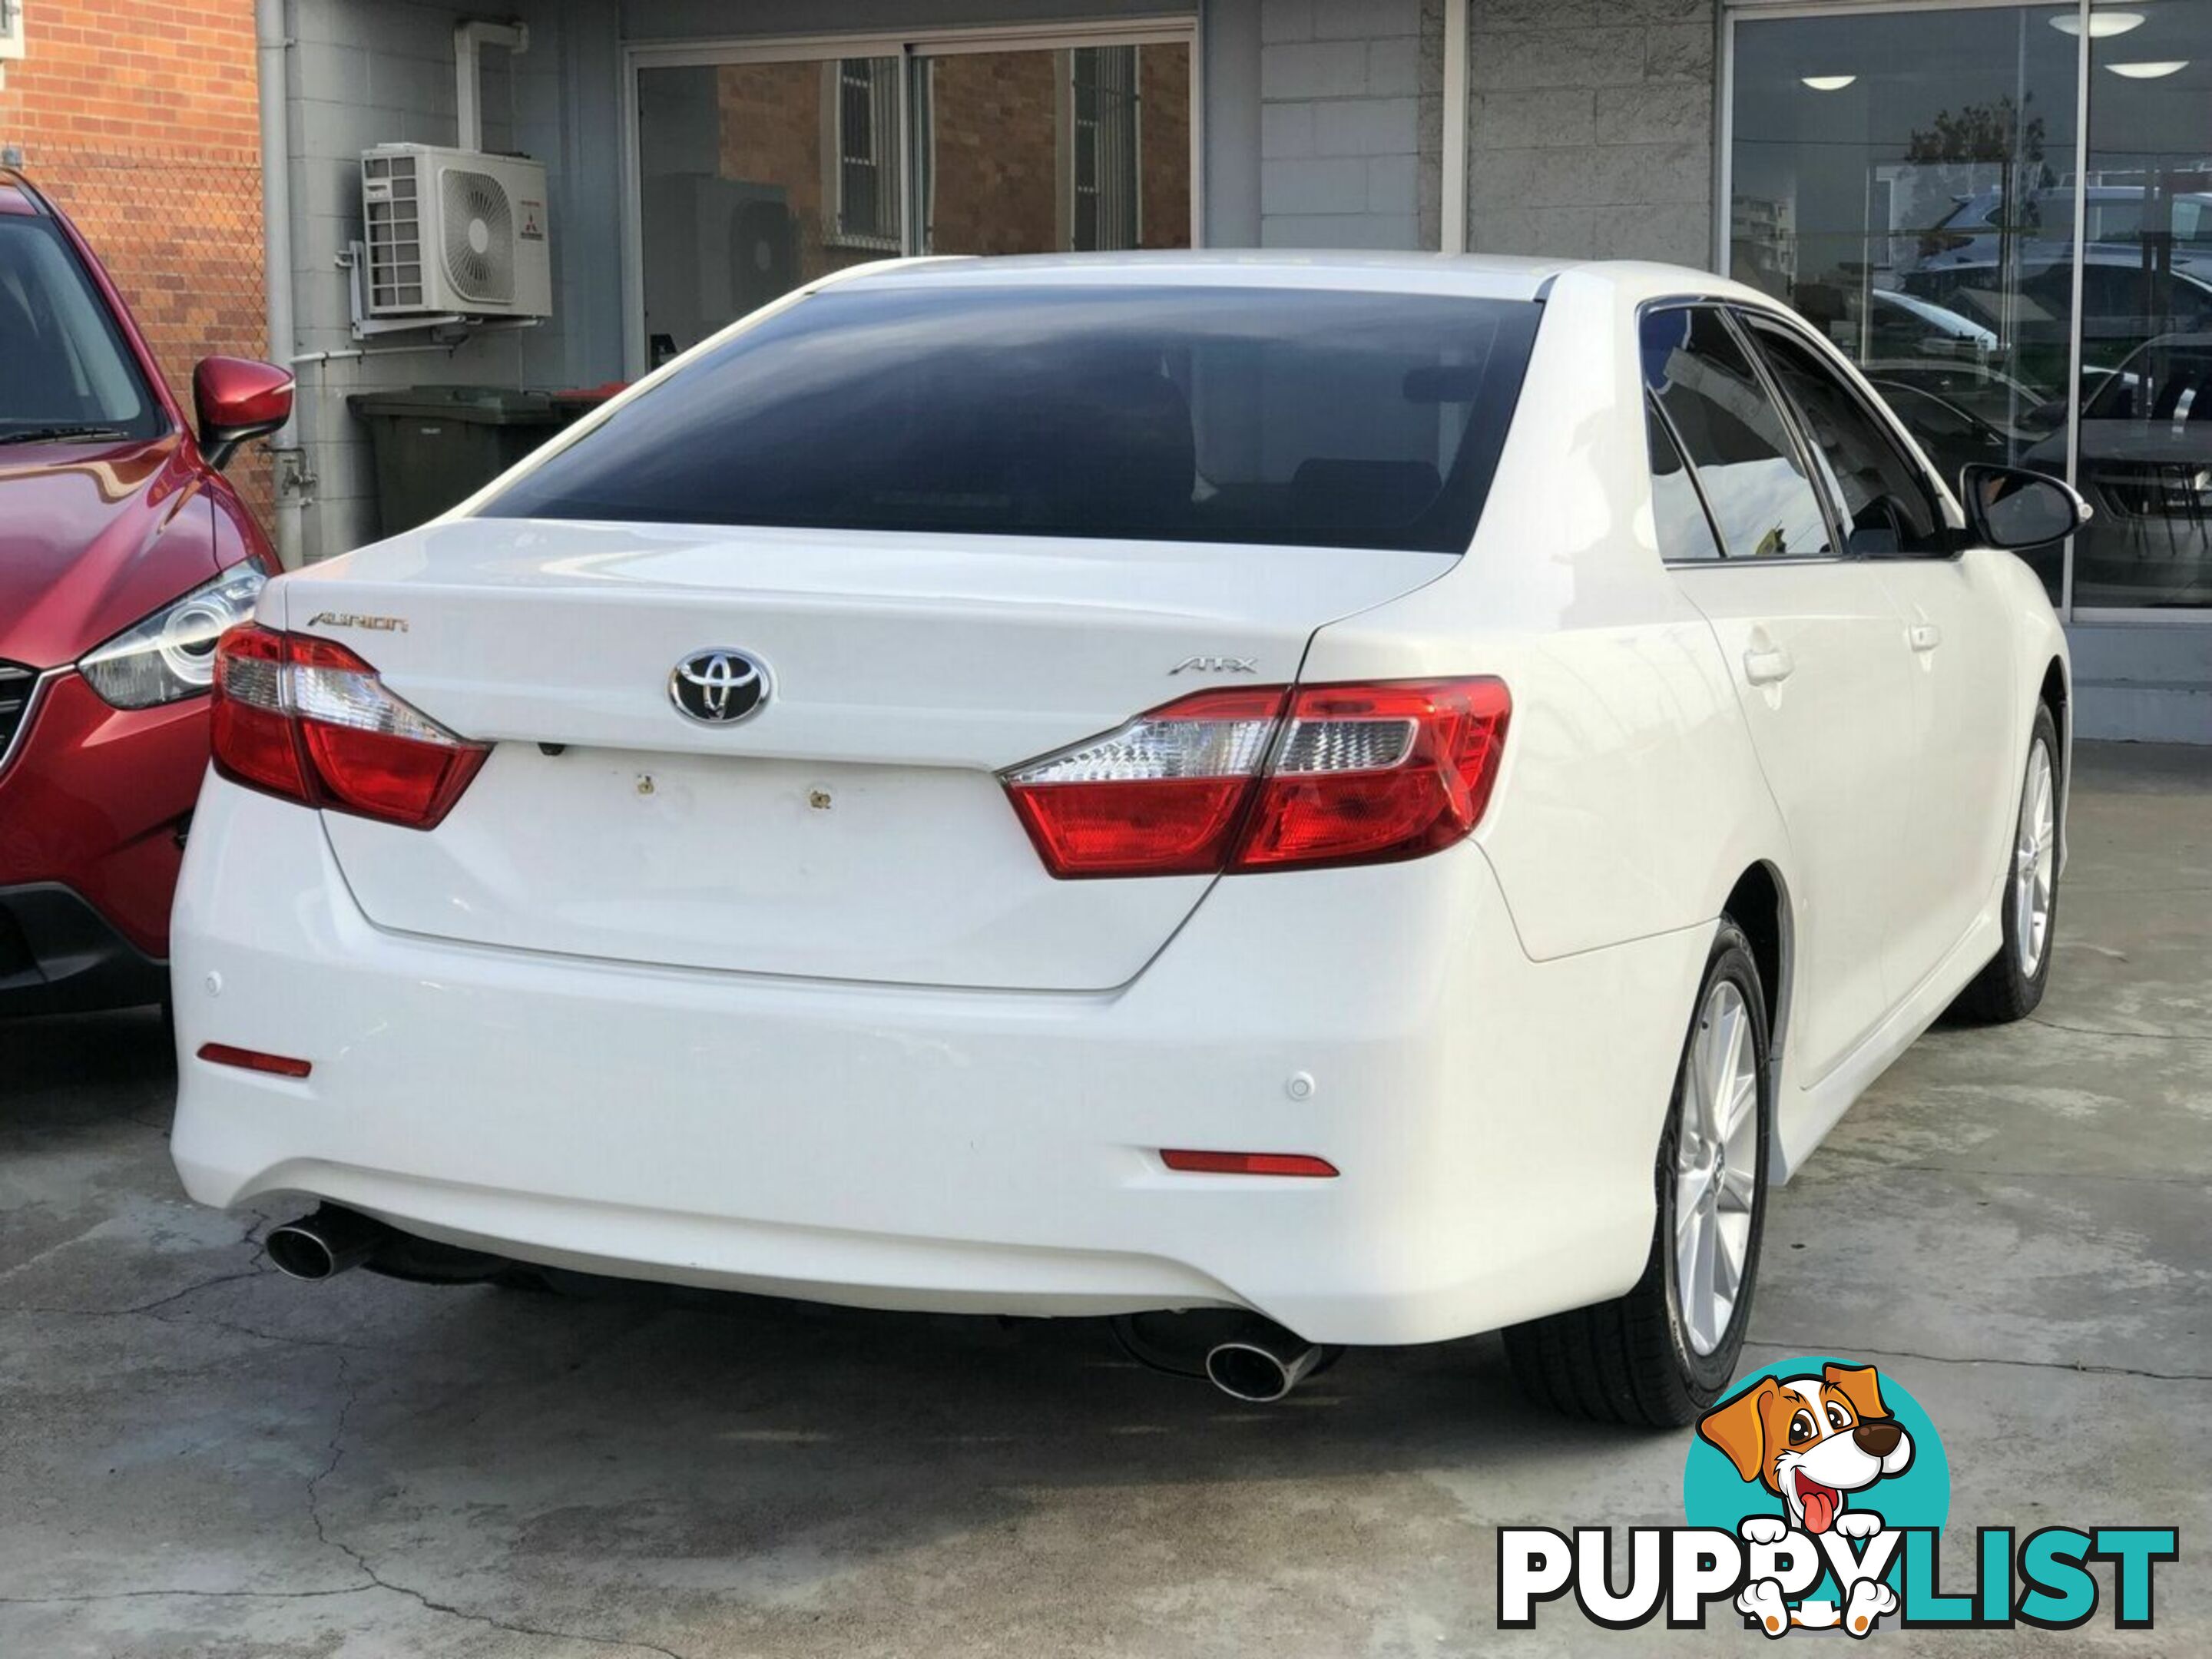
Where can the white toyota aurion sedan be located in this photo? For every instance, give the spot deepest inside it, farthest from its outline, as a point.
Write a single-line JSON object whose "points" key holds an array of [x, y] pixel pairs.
{"points": [[1296, 801]]}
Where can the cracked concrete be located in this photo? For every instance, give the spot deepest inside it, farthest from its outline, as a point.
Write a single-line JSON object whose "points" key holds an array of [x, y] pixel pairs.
{"points": [[198, 1457]]}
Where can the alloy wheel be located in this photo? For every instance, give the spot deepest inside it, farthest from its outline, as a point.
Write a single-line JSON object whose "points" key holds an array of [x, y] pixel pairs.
{"points": [[2034, 862], [1716, 1166]]}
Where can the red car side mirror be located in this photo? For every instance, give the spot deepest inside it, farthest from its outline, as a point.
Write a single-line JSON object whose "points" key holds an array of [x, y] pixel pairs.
{"points": [[237, 398]]}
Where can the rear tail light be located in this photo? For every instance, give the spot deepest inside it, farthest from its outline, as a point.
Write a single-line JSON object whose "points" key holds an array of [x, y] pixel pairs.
{"points": [[1266, 778], [307, 719]]}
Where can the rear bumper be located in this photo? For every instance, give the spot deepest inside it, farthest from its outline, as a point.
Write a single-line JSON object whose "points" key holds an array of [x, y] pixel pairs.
{"points": [[1494, 1120], [58, 956]]}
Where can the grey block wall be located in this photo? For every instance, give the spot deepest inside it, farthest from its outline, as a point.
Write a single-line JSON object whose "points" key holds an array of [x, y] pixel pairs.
{"points": [[1339, 129], [1590, 129], [365, 74]]}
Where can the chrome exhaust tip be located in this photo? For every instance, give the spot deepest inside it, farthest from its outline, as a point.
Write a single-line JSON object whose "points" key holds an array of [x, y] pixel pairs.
{"points": [[1261, 1363], [326, 1244]]}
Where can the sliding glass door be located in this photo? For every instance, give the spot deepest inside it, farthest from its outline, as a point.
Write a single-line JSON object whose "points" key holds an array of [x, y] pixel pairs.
{"points": [[762, 170], [756, 177], [1920, 184]]}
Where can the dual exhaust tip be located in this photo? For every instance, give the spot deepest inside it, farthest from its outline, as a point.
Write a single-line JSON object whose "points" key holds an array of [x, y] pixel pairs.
{"points": [[1251, 1360]]}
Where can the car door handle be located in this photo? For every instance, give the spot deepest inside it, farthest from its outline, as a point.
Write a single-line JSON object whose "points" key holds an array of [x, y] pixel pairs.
{"points": [[1768, 667], [1925, 636]]}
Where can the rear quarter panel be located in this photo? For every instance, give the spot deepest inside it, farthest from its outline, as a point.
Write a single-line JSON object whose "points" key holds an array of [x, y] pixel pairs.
{"points": [[1631, 799]]}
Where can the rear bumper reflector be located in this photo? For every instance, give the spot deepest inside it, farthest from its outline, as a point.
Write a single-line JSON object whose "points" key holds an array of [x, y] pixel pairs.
{"points": [[252, 1060], [1267, 1164]]}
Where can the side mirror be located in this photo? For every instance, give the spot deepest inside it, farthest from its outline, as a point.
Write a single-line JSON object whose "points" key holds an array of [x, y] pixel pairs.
{"points": [[2012, 508], [237, 398]]}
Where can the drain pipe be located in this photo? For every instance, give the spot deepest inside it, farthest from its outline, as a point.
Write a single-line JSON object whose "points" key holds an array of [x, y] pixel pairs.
{"points": [[270, 46], [469, 39]]}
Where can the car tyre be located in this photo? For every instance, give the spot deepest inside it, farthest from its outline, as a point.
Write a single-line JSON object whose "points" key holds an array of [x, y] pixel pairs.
{"points": [[2011, 984], [1642, 1358]]}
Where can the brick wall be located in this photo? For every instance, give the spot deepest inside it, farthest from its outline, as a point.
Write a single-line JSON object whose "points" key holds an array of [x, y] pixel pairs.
{"points": [[1163, 134], [995, 120], [1590, 129], [139, 119]]}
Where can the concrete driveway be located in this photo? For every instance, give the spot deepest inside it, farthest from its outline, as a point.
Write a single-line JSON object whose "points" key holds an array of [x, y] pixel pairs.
{"points": [[197, 1457]]}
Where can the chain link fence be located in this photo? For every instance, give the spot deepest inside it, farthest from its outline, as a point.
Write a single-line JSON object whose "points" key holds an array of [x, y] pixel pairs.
{"points": [[182, 239]]}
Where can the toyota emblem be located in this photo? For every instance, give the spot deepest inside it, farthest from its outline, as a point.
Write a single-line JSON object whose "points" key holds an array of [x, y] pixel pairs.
{"points": [[719, 686]]}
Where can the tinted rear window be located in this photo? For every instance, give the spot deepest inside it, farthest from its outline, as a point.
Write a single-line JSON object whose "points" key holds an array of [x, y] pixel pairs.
{"points": [[1199, 414]]}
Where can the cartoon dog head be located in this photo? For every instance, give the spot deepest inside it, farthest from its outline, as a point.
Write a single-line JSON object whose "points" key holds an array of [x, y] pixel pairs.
{"points": [[1810, 1440]]}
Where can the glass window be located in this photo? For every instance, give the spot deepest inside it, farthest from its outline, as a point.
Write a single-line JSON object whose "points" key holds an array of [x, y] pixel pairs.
{"points": [[1045, 151], [867, 151], [1886, 503], [1201, 414], [65, 363], [1678, 515], [1104, 155], [1735, 436], [2146, 433], [1905, 181], [757, 178]]}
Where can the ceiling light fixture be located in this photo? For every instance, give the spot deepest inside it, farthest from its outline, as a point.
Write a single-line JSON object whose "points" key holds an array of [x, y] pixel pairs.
{"points": [[2149, 72], [2103, 24], [1829, 82]]}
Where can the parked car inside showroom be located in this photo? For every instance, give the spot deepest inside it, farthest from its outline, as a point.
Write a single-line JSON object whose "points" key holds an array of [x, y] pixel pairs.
{"points": [[1317, 800], [124, 553]]}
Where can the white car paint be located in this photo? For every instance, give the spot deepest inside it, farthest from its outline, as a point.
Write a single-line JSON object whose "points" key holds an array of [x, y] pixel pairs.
{"points": [[911, 1071]]}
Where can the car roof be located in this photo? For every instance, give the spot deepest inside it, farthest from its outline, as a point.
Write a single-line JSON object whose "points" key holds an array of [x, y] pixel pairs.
{"points": [[17, 196], [1484, 275]]}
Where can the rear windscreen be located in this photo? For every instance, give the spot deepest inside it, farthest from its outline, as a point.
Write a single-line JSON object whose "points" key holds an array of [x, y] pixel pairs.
{"points": [[1281, 415]]}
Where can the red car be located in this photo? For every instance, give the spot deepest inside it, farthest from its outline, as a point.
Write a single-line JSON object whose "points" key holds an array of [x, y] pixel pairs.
{"points": [[123, 554]]}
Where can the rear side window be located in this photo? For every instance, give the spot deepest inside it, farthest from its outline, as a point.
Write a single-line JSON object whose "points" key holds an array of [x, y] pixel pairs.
{"points": [[1201, 414], [1677, 512], [1734, 434]]}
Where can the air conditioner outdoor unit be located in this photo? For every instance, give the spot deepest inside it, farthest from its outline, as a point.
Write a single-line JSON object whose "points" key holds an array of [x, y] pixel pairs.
{"points": [[454, 233]]}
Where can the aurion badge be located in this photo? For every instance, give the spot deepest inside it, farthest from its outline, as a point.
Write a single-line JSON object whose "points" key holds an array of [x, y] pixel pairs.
{"points": [[719, 686]]}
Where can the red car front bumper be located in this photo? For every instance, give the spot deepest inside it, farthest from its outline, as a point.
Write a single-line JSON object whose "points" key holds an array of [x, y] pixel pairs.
{"points": [[94, 805]]}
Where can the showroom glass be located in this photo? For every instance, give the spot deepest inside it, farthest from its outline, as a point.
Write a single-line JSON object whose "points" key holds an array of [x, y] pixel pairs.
{"points": [[1924, 214], [62, 361], [1921, 213], [759, 176], [2145, 460], [1885, 506], [1281, 416], [1735, 436]]}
